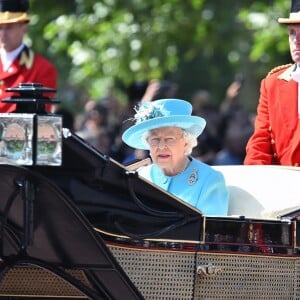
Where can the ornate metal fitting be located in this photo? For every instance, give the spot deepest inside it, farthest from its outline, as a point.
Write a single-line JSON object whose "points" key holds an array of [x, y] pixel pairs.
{"points": [[208, 270]]}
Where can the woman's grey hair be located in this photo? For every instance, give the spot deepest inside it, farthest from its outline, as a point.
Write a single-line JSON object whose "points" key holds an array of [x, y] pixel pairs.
{"points": [[190, 139]]}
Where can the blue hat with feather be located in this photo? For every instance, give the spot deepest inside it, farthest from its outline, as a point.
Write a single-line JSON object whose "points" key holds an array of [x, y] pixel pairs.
{"points": [[162, 113]]}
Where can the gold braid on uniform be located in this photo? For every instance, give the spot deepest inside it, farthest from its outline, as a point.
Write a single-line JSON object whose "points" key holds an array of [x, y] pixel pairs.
{"points": [[276, 69]]}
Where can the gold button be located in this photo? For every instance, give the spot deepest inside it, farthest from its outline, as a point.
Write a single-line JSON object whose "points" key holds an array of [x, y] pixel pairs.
{"points": [[272, 141], [275, 155], [270, 128]]}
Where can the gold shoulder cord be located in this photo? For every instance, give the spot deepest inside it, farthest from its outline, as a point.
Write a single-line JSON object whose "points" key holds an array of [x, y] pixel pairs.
{"points": [[276, 69]]}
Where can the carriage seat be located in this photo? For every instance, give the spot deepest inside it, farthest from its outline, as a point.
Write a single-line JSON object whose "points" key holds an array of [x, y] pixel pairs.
{"points": [[257, 191]]}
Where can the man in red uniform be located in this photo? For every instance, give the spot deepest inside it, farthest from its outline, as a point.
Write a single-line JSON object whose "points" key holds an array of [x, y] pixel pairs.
{"points": [[276, 137], [18, 63]]}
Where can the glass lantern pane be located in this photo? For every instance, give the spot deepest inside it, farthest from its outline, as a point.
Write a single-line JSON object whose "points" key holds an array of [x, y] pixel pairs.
{"points": [[49, 140], [16, 131]]}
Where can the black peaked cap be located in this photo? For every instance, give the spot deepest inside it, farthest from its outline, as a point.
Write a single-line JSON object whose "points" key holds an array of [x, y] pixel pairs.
{"points": [[295, 6], [14, 5]]}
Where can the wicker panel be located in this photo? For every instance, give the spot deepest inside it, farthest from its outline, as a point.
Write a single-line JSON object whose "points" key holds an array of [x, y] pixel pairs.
{"points": [[159, 275], [171, 275], [38, 283], [248, 278], [297, 279]]}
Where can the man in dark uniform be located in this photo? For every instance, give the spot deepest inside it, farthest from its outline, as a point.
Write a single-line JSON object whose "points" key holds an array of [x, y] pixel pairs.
{"points": [[18, 63]]}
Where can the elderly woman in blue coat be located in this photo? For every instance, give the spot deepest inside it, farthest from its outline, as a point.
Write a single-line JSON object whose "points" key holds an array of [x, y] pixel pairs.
{"points": [[168, 130]]}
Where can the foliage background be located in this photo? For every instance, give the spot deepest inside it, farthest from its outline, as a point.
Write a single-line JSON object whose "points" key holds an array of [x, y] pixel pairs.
{"points": [[104, 46]]}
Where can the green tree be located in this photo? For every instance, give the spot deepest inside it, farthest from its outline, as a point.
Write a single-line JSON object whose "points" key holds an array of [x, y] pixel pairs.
{"points": [[197, 43]]}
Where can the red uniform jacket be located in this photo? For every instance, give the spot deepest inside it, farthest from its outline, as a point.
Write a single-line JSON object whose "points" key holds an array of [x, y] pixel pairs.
{"points": [[28, 67], [276, 137]]}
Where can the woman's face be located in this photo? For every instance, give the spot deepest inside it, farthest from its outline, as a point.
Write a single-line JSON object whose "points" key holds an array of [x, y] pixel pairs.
{"points": [[167, 149]]}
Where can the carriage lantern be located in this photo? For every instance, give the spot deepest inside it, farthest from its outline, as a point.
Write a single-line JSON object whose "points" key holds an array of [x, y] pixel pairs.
{"points": [[29, 135]]}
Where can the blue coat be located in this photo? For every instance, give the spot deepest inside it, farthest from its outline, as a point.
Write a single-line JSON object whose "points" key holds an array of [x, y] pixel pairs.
{"points": [[199, 185]]}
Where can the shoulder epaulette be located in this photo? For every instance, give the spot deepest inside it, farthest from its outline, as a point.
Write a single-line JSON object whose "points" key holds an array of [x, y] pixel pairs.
{"points": [[276, 69]]}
